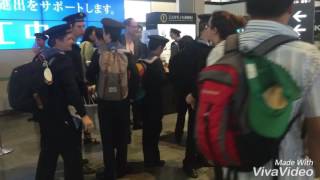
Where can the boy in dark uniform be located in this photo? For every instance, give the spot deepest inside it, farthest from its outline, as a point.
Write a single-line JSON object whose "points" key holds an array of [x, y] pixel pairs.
{"points": [[114, 112], [60, 131], [153, 81], [175, 35], [76, 22]]}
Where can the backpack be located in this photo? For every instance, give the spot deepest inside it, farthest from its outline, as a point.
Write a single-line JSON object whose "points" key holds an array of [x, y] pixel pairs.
{"points": [[113, 76], [246, 106], [27, 84]]}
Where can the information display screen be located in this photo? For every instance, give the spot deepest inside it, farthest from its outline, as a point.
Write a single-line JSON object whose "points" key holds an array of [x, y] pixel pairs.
{"points": [[20, 19]]}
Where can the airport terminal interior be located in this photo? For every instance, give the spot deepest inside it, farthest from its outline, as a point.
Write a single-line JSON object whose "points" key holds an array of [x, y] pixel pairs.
{"points": [[152, 107]]}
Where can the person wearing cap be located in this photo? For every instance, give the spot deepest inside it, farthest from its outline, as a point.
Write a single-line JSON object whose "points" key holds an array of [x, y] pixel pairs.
{"points": [[175, 35], [114, 115], [198, 56], [130, 39], [76, 22], [63, 112], [40, 43], [153, 82]]}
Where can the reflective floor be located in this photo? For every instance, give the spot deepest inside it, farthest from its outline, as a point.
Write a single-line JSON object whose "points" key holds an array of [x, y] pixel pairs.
{"points": [[22, 136]]}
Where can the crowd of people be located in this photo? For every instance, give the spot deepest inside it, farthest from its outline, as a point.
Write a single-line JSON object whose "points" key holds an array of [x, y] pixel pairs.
{"points": [[106, 61]]}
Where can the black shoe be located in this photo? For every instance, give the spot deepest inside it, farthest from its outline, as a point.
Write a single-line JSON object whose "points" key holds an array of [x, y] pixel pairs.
{"points": [[190, 172], [160, 163], [178, 137], [204, 163], [87, 169], [84, 161], [90, 140]]}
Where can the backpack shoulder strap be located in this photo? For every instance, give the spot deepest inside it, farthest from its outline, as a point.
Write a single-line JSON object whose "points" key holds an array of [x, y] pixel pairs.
{"points": [[271, 43], [231, 43]]}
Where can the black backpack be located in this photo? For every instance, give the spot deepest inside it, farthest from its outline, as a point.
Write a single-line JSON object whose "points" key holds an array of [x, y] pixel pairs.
{"points": [[27, 85]]}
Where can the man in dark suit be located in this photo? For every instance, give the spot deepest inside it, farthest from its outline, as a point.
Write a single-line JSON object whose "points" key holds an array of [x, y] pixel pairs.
{"points": [[131, 41], [193, 159]]}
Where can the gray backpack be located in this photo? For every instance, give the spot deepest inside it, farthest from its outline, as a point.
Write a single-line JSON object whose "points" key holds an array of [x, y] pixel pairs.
{"points": [[113, 76]]}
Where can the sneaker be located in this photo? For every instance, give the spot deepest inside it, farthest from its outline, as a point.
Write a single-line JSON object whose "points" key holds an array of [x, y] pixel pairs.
{"points": [[190, 172]]}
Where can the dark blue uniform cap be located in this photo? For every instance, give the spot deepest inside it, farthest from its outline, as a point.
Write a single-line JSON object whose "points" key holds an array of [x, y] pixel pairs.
{"points": [[111, 23], [78, 17], [176, 31], [158, 40], [204, 18], [40, 36], [58, 31]]}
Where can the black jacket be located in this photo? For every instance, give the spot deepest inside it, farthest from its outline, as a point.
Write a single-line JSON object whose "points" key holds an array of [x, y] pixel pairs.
{"points": [[202, 51], [63, 92], [75, 55], [185, 66], [154, 78]]}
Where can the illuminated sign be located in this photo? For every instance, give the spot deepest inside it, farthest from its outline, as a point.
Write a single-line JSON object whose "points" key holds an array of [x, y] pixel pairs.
{"points": [[302, 19], [20, 19]]}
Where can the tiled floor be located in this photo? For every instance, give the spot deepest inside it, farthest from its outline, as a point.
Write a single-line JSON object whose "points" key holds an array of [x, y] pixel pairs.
{"points": [[22, 136]]}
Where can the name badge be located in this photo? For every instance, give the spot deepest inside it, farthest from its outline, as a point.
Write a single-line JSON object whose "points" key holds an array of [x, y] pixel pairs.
{"points": [[47, 76]]}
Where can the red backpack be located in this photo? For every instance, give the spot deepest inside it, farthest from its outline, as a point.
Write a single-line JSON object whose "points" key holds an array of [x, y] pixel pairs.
{"points": [[233, 127]]}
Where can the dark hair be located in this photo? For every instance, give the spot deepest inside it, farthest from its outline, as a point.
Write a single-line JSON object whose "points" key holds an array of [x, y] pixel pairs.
{"points": [[88, 32], [202, 26], [115, 33], [267, 8], [153, 45], [52, 41], [128, 21], [186, 43], [226, 23], [99, 33]]}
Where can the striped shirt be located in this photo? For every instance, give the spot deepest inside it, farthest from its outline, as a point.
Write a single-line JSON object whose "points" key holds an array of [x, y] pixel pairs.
{"points": [[302, 60]]}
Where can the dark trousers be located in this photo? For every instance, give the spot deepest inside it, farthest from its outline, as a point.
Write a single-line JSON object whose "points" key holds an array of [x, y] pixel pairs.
{"points": [[137, 112], [114, 118], [191, 154], [182, 108], [152, 127], [65, 142]]}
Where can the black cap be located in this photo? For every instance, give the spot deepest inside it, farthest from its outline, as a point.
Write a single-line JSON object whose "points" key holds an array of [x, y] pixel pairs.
{"points": [[158, 40], [111, 23], [176, 31], [58, 31], [40, 36], [204, 18], [78, 17]]}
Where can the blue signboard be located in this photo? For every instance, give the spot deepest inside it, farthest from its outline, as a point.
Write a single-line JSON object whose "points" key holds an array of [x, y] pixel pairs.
{"points": [[20, 19]]}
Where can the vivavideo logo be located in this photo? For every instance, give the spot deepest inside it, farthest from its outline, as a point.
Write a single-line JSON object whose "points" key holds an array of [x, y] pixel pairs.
{"points": [[298, 168]]}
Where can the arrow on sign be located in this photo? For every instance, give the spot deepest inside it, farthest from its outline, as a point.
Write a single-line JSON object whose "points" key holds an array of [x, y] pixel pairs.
{"points": [[298, 29], [297, 16]]}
